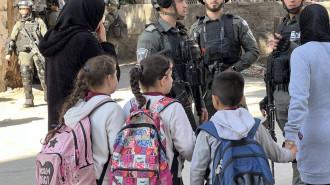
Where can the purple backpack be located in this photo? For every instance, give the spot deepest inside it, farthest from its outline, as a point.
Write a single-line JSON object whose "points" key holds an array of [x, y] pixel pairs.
{"points": [[140, 148], [68, 157]]}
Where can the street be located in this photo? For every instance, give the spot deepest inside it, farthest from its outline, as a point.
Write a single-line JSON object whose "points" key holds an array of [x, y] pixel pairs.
{"points": [[22, 130]]}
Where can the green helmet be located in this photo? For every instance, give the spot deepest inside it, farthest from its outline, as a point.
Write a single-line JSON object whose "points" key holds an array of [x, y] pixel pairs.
{"points": [[24, 4]]}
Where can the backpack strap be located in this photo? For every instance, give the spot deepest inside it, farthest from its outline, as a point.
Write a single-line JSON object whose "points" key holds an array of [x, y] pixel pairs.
{"points": [[161, 104], [254, 129], [100, 104], [209, 128]]}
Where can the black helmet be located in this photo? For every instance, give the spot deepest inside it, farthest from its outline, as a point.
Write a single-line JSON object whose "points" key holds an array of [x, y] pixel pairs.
{"points": [[161, 3], [202, 2], [24, 4]]}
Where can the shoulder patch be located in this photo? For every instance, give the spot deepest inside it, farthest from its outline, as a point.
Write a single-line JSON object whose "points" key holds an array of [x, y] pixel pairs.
{"points": [[150, 28], [141, 53]]}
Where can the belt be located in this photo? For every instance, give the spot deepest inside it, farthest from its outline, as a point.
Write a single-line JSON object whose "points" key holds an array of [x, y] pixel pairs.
{"points": [[282, 87]]}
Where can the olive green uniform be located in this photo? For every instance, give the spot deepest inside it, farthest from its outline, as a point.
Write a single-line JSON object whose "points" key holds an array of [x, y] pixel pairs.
{"points": [[247, 41], [21, 43]]}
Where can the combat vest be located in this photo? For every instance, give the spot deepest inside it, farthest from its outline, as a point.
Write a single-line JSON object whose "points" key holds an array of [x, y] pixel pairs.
{"points": [[281, 60], [23, 40], [217, 40], [174, 38]]}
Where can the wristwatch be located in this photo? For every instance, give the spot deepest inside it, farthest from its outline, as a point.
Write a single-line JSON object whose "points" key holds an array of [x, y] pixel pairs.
{"points": [[233, 68]]}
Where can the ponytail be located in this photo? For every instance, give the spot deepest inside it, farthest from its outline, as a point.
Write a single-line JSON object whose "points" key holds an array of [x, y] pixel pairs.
{"points": [[135, 77]]}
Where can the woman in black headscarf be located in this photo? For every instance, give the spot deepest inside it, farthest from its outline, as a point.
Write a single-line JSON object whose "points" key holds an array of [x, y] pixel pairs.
{"points": [[77, 36], [308, 123]]}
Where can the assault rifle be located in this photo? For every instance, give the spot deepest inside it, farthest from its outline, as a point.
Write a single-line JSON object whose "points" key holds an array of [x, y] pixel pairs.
{"points": [[34, 41], [270, 101], [179, 90]]}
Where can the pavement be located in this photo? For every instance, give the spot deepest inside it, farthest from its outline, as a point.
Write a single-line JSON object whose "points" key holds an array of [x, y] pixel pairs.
{"points": [[22, 130]]}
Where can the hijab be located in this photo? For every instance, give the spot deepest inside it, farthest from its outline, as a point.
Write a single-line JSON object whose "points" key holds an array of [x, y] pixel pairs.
{"points": [[84, 13], [314, 24]]}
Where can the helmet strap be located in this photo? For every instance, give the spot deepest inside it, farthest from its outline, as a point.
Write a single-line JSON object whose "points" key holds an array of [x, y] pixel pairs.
{"points": [[293, 10]]}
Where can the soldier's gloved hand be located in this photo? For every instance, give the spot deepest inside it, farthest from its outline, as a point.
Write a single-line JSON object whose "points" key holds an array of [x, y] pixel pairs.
{"points": [[8, 58], [263, 106], [283, 44]]}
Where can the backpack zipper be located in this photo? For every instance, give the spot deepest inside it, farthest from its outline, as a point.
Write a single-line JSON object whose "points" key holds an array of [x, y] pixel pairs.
{"points": [[76, 150], [85, 138], [61, 166]]}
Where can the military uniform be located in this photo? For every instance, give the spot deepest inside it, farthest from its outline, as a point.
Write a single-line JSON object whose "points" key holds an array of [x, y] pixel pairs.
{"points": [[152, 41], [21, 43], [109, 22], [290, 29], [241, 37]]}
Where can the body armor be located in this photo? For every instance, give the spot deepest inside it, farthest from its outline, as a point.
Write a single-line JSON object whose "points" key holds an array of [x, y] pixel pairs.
{"points": [[23, 40]]}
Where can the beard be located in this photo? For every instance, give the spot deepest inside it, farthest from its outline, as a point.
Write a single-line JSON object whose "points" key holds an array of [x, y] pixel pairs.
{"points": [[212, 8]]}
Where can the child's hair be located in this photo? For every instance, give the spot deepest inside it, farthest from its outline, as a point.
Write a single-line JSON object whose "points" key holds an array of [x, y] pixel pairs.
{"points": [[92, 75], [228, 87], [146, 73]]}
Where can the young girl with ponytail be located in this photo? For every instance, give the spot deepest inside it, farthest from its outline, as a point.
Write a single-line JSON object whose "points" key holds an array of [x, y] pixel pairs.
{"points": [[94, 84], [154, 76]]}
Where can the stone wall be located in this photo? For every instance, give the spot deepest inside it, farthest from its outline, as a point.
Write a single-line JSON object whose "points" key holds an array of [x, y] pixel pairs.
{"points": [[259, 15]]}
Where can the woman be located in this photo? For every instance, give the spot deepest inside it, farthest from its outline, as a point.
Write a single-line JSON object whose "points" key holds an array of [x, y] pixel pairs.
{"points": [[309, 118], [78, 35]]}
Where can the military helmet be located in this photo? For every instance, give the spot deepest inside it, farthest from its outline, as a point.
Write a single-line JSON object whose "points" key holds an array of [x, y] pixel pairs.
{"points": [[293, 10], [161, 3], [111, 2], [202, 2], [24, 4]]}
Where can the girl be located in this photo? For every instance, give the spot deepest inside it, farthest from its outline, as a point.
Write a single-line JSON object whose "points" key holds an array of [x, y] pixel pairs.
{"points": [[98, 80], [154, 74]]}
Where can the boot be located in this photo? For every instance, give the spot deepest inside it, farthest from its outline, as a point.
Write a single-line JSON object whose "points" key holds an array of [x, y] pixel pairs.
{"points": [[28, 103], [26, 74]]}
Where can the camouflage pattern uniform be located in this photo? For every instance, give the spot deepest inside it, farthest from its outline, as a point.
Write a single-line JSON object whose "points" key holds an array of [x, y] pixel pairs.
{"points": [[21, 43], [108, 24], [246, 39]]}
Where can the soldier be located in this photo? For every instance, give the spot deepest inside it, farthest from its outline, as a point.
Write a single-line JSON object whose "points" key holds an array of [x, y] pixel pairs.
{"points": [[287, 38], [26, 34], [47, 10], [168, 36], [221, 37], [114, 26]]}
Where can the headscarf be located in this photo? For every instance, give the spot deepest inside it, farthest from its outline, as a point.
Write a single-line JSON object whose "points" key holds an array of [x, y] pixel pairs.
{"points": [[85, 13], [314, 24]]}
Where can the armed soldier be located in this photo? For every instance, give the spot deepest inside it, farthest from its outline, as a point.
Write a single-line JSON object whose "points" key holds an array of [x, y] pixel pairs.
{"points": [[167, 36], [221, 37], [114, 26], [47, 10], [25, 36], [278, 70]]}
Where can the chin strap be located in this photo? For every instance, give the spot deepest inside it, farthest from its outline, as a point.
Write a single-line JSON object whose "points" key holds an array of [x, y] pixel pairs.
{"points": [[293, 10], [176, 15]]}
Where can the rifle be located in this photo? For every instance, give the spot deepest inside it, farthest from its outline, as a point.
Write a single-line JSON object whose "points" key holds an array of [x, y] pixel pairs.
{"points": [[270, 102], [34, 41], [179, 89]]}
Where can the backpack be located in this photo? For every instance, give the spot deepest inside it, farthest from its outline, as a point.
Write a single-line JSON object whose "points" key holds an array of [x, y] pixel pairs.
{"points": [[68, 157], [239, 162], [118, 28], [140, 148]]}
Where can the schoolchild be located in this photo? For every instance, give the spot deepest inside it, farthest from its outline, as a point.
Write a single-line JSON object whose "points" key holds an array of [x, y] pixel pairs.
{"points": [[232, 123], [154, 76], [95, 83]]}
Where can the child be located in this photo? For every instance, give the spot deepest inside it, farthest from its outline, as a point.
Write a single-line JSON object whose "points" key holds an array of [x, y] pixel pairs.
{"points": [[99, 79], [154, 73], [234, 123]]}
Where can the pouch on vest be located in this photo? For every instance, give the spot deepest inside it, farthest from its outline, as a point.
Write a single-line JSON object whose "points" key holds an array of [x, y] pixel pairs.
{"points": [[280, 68], [217, 49]]}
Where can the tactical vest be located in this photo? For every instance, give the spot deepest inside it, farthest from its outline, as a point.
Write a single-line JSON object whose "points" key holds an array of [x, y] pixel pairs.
{"points": [[217, 40], [23, 40], [281, 60], [174, 38]]}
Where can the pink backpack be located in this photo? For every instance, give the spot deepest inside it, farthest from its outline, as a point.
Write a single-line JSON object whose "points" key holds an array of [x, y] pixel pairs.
{"points": [[140, 148], [68, 157]]}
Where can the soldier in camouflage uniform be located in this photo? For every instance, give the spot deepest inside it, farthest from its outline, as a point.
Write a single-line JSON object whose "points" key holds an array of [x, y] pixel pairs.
{"points": [[110, 18], [27, 27], [289, 34], [221, 37], [168, 34]]}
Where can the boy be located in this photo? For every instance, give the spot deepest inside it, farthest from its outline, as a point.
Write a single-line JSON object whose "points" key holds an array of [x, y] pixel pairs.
{"points": [[234, 124]]}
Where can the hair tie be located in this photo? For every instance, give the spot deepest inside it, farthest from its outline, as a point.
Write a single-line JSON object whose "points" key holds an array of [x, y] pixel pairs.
{"points": [[139, 67], [86, 69]]}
